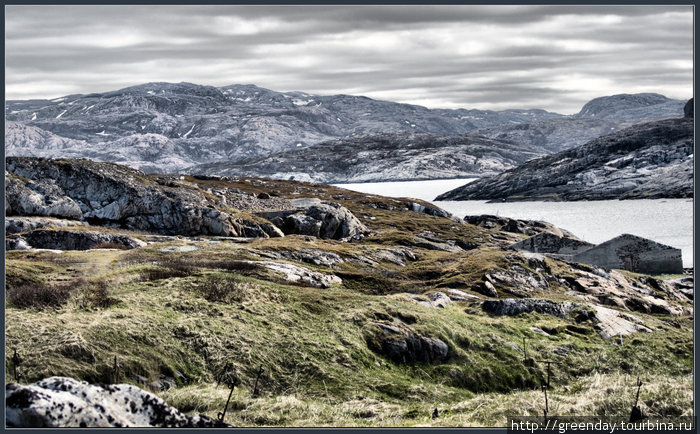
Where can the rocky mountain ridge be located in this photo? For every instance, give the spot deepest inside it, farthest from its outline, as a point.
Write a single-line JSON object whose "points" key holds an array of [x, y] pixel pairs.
{"points": [[650, 160], [383, 157], [166, 127]]}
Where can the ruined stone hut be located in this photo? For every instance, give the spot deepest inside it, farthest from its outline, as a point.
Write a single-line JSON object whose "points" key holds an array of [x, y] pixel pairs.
{"points": [[626, 252], [633, 253]]}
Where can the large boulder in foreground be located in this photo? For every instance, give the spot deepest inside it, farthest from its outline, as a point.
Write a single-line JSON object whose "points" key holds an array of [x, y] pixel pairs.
{"points": [[62, 402], [318, 219]]}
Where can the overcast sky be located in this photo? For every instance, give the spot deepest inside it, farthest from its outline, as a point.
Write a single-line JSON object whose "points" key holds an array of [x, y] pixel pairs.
{"points": [[490, 57]]}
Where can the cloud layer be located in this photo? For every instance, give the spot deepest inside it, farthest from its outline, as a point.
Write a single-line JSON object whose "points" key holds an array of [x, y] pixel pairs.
{"points": [[491, 57]]}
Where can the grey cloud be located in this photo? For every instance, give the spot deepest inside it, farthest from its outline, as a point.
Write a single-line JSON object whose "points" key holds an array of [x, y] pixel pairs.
{"points": [[645, 47]]}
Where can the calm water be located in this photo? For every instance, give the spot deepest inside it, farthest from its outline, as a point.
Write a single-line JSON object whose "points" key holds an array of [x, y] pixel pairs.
{"points": [[667, 221]]}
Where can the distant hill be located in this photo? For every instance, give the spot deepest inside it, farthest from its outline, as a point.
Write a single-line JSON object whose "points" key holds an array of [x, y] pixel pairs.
{"points": [[649, 160], [632, 107]]}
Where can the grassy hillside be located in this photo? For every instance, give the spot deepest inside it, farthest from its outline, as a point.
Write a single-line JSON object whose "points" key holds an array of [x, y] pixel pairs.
{"points": [[202, 313]]}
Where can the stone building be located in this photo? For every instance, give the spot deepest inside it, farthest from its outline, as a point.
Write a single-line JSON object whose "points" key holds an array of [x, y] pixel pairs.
{"points": [[633, 253], [626, 252]]}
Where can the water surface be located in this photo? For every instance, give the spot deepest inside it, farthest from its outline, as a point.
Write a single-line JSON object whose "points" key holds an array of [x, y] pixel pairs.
{"points": [[667, 221]]}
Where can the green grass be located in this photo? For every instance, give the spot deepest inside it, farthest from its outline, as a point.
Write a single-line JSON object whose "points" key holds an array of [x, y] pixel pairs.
{"points": [[313, 346]]}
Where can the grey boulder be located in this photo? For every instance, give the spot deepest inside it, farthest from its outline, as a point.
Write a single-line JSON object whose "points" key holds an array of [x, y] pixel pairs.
{"points": [[62, 402], [319, 219], [403, 345]]}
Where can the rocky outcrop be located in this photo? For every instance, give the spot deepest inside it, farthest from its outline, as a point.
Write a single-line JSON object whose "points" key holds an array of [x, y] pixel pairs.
{"points": [[295, 273], [403, 345], [109, 194], [61, 402], [526, 227], [610, 323], [310, 256], [63, 239], [436, 299], [651, 160], [397, 256], [512, 306], [647, 295], [41, 197], [457, 295], [319, 219], [15, 225]]}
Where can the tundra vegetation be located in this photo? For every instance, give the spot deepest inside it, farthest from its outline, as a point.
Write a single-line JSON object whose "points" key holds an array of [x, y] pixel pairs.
{"points": [[375, 346]]}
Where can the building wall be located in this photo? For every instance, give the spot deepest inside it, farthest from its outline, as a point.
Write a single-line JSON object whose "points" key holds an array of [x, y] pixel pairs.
{"points": [[634, 254]]}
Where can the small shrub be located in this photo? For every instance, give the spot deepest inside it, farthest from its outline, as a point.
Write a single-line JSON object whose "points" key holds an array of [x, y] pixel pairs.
{"points": [[186, 267], [96, 295], [228, 290], [38, 295]]}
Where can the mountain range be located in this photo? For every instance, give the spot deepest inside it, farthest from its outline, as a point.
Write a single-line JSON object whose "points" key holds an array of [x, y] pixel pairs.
{"points": [[248, 130]]}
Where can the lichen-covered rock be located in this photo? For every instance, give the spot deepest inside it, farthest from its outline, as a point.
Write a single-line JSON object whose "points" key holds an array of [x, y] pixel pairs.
{"points": [[62, 402], [77, 239], [614, 288], [337, 221], [397, 256], [515, 279], [403, 345], [310, 256], [436, 299]]}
